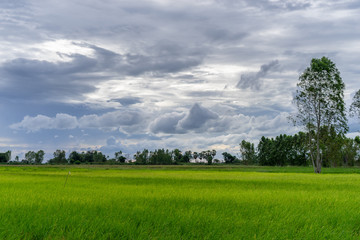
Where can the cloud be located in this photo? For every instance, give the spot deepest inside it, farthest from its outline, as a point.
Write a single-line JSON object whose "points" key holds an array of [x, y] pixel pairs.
{"points": [[34, 124], [254, 80], [167, 123], [111, 141], [196, 117], [126, 101], [181, 122], [110, 120]]}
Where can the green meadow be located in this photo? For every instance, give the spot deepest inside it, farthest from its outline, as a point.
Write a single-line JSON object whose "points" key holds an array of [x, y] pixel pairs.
{"points": [[178, 202]]}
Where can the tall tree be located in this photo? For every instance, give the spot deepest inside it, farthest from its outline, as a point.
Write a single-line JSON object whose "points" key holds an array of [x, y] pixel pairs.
{"points": [[319, 101]]}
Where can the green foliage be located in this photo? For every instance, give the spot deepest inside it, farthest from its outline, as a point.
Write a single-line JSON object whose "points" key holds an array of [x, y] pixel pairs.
{"points": [[228, 158], [283, 150], [59, 157], [161, 157], [142, 157], [208, 155], [29, 157], [177, 155], [247, 151], [195, 156], [39, 157], [119, 157], [5, 157], [32, 157], [319, 101], [186, 157], [75, 157]]}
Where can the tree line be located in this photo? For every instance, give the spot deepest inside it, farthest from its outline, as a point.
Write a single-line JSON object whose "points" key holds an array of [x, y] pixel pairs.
{"points": [[158, 157], [284, 150], [294, 150]]}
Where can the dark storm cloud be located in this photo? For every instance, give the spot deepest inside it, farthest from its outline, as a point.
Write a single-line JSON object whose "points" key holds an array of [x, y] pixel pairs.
{"points": [[165, 57], [254, 80], [35, 79]]}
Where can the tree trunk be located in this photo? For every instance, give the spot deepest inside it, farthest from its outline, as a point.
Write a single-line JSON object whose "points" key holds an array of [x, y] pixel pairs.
{"points": [[311, 151], [318, 159]]}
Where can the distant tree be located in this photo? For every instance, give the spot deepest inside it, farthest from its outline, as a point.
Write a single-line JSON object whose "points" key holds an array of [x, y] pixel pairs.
{"points": [[161, 157], [350, 151], [39, 157], [119, 157], [265, 152], [59, 157], [201, 155], [228, 158], [98, 157], [142, 157], [195, 155], [213, 153], [186, 157], [88, 156], [75, 157], [331, 147], [283, 150], [5, 157], [177, 155], [30, 157], [319, 101], [247, 151], [208, 155]]}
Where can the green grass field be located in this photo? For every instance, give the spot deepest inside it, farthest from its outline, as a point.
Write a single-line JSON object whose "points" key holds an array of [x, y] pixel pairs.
{"points": [[179, 202]]}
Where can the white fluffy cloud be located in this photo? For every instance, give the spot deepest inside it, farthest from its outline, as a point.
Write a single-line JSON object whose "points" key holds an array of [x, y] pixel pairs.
{"points": [[33, 124], [110, 120]]}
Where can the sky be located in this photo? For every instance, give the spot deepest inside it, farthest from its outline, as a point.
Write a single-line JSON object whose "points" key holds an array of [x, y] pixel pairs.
{"points": [[126, 75]]}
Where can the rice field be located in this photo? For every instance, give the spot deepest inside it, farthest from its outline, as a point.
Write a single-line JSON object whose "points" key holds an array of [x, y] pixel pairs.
{"points": [[185, 202]]}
